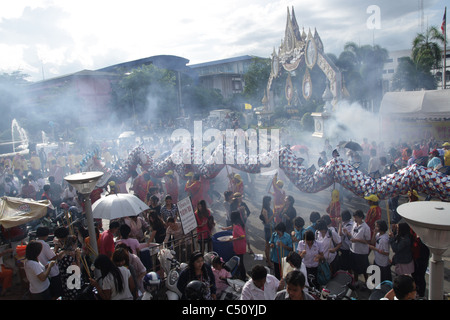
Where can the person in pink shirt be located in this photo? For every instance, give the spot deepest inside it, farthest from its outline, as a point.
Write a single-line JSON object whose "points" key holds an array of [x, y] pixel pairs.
{"points": [[239, 241], [221, 275], [132, 243]]}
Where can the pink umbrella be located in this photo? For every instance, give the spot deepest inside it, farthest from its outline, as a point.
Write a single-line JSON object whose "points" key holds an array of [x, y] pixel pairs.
{"points": [[299, 147]]}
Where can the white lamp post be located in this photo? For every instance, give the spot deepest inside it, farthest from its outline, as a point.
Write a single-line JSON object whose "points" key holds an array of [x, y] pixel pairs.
{"points": [[430, 220], [84, 183]]}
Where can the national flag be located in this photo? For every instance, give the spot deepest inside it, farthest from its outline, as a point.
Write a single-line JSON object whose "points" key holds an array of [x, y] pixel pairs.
{"points": [[444, 22]]}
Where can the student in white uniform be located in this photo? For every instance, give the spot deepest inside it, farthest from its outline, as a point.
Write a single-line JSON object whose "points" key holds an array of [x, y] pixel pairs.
{"points": [[311, 252], [360, 237], [380, 247], [345, 224], [331, 242]]}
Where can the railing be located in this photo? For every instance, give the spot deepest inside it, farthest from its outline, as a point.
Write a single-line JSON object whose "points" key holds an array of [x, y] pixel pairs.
{"points": [[183, 247]]}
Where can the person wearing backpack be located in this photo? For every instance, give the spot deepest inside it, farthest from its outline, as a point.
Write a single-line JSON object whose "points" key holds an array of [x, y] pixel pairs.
{"points": [[281, 245], [401, 243], [331, 242]]}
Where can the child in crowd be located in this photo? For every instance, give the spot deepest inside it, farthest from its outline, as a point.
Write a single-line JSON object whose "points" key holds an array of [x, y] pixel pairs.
{"points": [[299, 231], [221, 275]]}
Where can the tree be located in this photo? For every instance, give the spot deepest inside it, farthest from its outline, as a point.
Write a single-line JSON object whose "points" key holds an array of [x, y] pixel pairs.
{"points": [[146, 90], [409, 77], [426, 49], [256, 80], [414, 73], [200, 100]]}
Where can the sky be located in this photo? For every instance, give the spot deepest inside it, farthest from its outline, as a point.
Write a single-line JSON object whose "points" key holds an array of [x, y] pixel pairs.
{"points": [[51, 38]]}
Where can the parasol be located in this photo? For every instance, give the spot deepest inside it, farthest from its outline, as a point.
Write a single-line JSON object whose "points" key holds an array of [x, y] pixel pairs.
{"points": [[299, 147], [352, 146], [118, 205], [18, 211]]}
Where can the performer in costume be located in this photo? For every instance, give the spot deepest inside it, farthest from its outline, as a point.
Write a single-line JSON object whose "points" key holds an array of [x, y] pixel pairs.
{"points": [[194, 188], [279, 196], [171, 183], [374, 212], [334, 209]]}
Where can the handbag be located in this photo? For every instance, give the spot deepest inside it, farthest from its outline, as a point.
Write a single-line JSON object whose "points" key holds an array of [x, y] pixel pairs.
{"points": [[323, 269], [323, 272]]}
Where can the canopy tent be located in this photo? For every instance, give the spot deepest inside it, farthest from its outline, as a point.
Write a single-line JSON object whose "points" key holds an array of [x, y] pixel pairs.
{"points": [[421, 105], [415, 115], [18, 211]]}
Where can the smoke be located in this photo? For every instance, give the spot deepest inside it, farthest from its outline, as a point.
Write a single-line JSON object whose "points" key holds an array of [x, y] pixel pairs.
{"points": [[350, 121]]}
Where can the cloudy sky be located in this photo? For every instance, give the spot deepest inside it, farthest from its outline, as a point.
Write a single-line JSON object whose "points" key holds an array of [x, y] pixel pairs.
{"points": [[49, 38]]}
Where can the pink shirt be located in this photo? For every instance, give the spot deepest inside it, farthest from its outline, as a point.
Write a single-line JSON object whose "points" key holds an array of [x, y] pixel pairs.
{"points": [[220, 284], [132, 243], [239, 246]]}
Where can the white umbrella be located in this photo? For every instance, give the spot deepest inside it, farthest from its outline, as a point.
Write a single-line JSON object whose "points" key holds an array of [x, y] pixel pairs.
{"points": [[119, 205]]}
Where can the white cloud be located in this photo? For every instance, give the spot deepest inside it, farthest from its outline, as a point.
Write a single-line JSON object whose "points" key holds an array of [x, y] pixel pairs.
{"points": [[68, 35]]}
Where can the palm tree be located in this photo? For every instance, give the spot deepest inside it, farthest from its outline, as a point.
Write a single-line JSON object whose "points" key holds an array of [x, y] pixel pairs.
{"points": [[362, 68], [426, 49]]}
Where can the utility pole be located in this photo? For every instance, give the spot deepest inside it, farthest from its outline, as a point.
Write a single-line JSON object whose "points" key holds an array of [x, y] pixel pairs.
{"points": [[421, 16]]}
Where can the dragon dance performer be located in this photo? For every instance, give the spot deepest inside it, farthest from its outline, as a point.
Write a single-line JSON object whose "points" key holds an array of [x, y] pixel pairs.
{"points": [[236, 183], [279, 196], [141, 185], [194, 188], [171, 184], [374, 213], [334, 209]]}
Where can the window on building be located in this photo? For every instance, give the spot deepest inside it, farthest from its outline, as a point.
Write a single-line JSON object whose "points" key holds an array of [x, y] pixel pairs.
{"points": [[237, 85]]}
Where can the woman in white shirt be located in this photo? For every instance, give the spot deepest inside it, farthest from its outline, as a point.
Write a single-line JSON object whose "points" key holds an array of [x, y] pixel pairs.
{"points": [[331, 242], [345, 223], [37, 274], [360, 237], [311, 252], [115, 282]]}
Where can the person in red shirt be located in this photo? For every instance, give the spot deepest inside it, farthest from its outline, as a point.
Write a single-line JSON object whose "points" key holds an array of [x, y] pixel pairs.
{"points": [[205, 188], [106, 239], [171, 183], [28, 191], [202, 215], [194, 188], [141, 185]]}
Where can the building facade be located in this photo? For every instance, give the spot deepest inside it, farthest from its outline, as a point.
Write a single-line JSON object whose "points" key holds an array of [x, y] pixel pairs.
{"points": [[226, 75]]}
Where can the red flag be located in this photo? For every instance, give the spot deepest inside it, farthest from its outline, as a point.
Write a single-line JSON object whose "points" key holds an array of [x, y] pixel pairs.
{"points": [[444, 22]]}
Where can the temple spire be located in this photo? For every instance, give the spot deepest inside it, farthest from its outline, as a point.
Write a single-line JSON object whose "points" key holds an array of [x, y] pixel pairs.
{"points": [[295, 25]]}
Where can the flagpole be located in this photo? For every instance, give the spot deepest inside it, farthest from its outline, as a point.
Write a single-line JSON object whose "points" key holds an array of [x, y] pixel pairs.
{"points": [[444, 78]]}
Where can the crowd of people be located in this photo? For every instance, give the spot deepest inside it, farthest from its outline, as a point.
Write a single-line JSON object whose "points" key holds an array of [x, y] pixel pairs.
{"points": [[332, 241]]}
